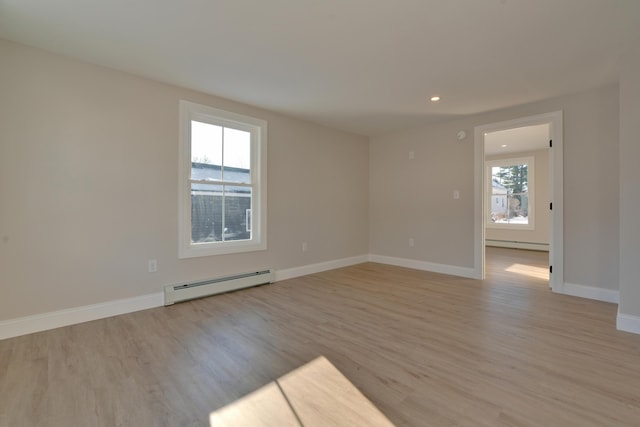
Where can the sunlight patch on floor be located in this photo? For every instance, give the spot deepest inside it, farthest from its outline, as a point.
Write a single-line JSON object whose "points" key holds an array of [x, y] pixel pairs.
{"points": [[316, 394], [529, 271]]}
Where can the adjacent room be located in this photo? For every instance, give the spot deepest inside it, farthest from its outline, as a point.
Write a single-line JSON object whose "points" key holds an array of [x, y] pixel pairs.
{"points": [[253, 213], [517, 187]]}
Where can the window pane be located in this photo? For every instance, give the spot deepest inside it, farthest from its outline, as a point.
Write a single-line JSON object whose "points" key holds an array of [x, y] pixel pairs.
{"points": [[237, 201], [518, 209], [206, 151], [510, 209], [237, 156], [206, 213], [513, 178], [237, 148]]}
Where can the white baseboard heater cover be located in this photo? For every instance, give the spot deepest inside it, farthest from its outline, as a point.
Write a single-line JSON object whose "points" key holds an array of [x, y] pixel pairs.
{"points": [[205, 288]]}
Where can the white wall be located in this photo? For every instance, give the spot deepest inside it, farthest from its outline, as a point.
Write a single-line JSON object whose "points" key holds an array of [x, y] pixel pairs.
{"points": [[88, 187], [414, 197], [630, 193], [540, 234]]}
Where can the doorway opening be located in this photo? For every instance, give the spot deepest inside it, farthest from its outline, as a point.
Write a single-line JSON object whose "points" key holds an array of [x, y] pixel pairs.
{"points": [[518, 189]]}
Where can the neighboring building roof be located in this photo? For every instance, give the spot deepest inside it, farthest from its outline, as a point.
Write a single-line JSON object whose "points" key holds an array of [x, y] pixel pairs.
{"points": [[208, 172], [498, 187]]}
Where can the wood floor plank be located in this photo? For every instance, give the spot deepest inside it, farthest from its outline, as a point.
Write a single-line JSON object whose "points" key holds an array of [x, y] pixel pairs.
{"points": [[427, 349]]}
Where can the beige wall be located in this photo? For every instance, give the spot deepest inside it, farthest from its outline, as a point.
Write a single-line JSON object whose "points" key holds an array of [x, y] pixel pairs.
{"points": [[414, 197], [88, 187], [540, 234], [630, 187]]}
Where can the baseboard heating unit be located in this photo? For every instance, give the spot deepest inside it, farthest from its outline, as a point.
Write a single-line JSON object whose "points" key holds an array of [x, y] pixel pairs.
{"points": [[205, 288]]}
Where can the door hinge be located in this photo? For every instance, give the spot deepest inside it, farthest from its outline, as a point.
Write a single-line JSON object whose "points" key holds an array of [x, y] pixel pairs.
{"points": [[551, 269], [550, 206], [551, 143]]}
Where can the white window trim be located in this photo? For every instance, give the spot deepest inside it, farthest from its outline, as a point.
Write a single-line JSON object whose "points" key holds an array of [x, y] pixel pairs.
{"points": [[258, 128], [529, 161]]}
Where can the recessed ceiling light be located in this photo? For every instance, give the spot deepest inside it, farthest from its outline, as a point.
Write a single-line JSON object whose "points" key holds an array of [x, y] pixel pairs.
{"points": [[435, 98], [504, 146]]}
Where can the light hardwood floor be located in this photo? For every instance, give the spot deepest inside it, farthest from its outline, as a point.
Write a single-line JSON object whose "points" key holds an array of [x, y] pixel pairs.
{"points": [[426, 349]]}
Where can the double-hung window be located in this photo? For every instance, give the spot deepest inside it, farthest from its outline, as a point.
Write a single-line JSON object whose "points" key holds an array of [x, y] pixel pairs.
{"points": [[222, 188], [510, 193]]}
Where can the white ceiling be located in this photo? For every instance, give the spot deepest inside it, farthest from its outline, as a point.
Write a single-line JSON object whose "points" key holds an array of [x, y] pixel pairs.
{"points": [[528, 138], [366, 66]]}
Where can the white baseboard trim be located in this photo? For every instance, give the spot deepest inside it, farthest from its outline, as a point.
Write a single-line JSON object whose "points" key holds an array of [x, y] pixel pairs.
{"points": [[56, 319], [544, 247], [628, 323], [591, 292], [291, 273], [45, 321], [452, 270]]}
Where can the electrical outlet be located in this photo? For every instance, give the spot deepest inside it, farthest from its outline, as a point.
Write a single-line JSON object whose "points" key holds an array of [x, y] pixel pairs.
{"points": [[411, 242], [305, 247], [153, 265]]}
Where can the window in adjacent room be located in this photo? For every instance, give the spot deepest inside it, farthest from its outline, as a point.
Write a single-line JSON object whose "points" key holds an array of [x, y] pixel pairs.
{"points": [[510, 193], [222, 206]]}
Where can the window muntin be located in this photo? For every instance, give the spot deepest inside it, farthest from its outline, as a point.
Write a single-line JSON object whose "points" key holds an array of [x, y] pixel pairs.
{"points": [[510, 193], [222, 205]]}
